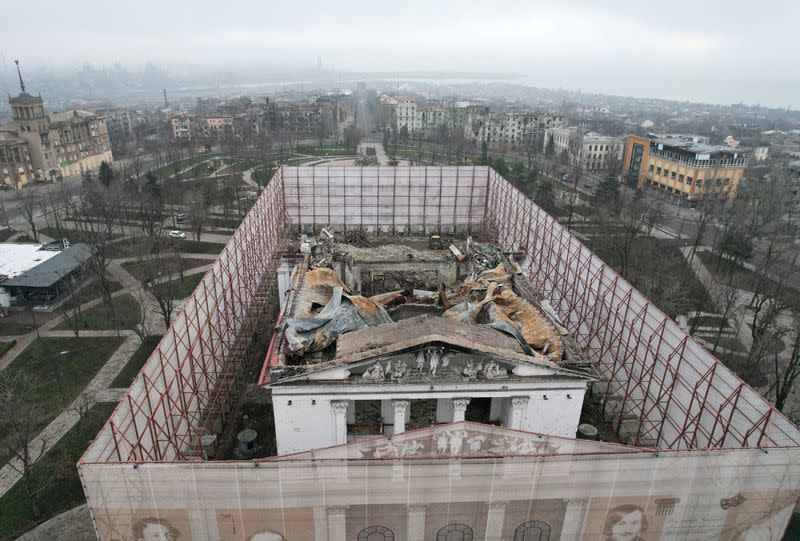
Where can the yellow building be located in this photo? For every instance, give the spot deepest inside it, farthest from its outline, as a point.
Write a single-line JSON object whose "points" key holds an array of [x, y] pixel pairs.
{"points": [[683, 167], [16, 168]]}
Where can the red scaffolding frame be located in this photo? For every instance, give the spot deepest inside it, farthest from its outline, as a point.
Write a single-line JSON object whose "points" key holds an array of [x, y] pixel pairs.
{"points": [[656, 374]]}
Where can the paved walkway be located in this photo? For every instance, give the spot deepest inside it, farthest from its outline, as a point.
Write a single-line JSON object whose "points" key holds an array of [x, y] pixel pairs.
{"points": [[99, 388], [380, 153]]}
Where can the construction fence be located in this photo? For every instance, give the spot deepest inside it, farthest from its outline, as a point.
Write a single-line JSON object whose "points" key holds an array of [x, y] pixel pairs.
{"points": [[713, 459]]}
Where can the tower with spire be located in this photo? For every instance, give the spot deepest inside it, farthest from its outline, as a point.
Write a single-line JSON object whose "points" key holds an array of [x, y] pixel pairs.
{"points": [[59, 144], [30, 121]]}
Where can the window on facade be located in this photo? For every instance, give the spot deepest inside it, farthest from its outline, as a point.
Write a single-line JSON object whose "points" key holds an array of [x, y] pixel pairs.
{"points": [[673, 175], [658, 171], [680, 178], [689, 181], [533, 530], [699, 181], [727, 181], [651, 168], [454, 532], [375, 533]]}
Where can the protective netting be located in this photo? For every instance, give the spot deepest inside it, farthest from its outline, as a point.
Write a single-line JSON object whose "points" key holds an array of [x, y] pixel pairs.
{"points": [[142, 480]]}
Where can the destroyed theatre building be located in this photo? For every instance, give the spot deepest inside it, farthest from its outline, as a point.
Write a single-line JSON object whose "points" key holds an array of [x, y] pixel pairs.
{"points": [[480, 349], [421, 353]]}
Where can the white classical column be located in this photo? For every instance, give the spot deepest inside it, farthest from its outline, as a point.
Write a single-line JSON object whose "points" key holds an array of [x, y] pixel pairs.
{"points": [[400, 415], [337, 524], [416, 522], [339, 421], [574, 519], [494, 520], [519, 405], [459, 408]]}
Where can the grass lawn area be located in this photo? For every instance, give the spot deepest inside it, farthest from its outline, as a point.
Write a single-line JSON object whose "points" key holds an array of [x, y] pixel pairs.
{"points": [[127, 310], [135, 363], [168, 266], [168, 170], [57, 377], [73, 235], [188, 284], [132, 248], [64, 490], [5, 346], [661, 273], [725, 272]]}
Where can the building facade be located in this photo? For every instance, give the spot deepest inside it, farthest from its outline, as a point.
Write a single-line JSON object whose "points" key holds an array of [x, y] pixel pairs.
{"points": [[59, 144], [682, 167], [16, 166], [591, 151]]}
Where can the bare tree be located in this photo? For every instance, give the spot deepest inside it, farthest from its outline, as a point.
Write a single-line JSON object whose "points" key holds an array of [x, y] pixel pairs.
{"points": [[23, 418], [97, 214], [785, 373], [28, 205], [166, 295], [142, 326], [198, 208]]}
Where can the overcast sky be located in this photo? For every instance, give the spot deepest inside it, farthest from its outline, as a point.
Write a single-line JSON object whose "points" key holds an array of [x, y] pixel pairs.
{"points": [[702, 50]]}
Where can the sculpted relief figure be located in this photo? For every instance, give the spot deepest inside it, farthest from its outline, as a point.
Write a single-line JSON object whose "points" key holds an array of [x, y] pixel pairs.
{"points": [[374, 373]]}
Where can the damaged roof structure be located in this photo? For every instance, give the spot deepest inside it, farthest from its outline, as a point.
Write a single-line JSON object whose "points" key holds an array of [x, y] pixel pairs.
{"points": [[370, 333]]}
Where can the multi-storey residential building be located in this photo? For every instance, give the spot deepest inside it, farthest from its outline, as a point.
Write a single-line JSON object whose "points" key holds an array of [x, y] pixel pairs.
{"points": [[16, 167], [216, 125], [118, 121], [683, 167], [182, 126], [793, 202], [478, 123], [591, 151], [60, 144]]}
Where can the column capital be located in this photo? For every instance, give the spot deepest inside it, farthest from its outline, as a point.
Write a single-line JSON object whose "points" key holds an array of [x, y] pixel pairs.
{"points": [[417, 507], [460, 404], [519, 402], [339, 406], [401, 406], [498, 504]]}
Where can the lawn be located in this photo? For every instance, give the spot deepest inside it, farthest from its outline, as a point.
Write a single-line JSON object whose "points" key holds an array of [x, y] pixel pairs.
{"points": [[132, 248], [168, 170], [126, 308], [57, 468], [168, 266], [59, 369], [661, 273], [188, 284], [135, 363], [5, 346], [74, 235]]}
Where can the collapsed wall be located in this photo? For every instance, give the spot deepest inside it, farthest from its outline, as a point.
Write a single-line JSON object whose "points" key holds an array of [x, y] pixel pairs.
{"points": [[660, 386]]}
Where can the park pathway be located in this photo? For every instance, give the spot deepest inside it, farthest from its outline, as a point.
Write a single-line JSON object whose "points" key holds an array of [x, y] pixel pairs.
{"points": [[99, 388]]}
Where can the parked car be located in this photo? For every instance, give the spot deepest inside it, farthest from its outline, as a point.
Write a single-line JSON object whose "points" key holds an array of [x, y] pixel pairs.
{"points": [[180, 216], [6, 187], [177, 234]]}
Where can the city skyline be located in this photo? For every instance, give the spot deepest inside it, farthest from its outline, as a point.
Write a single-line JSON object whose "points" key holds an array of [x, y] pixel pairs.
{"points": [[615, 49]]}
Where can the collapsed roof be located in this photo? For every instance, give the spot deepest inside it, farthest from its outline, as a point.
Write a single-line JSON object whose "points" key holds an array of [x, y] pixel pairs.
{"points": [[491, 311]]}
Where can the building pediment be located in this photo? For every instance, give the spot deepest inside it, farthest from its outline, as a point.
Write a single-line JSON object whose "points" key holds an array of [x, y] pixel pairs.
{"points": [[433, 363]]}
